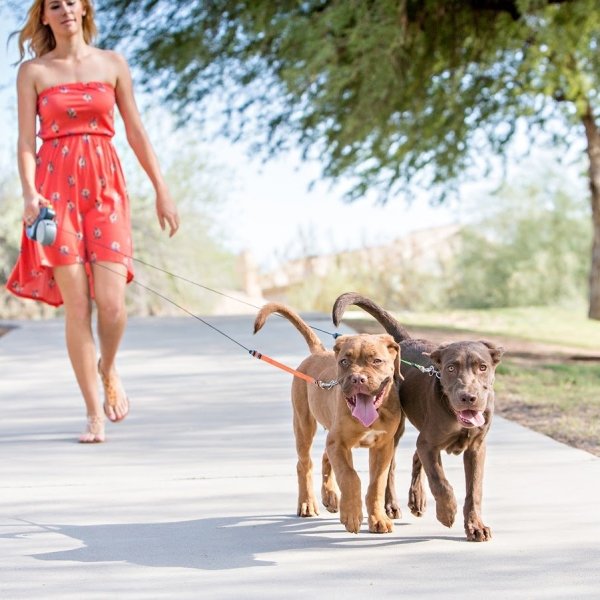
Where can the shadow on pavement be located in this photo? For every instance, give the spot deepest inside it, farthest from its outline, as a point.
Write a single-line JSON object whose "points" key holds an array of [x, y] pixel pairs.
{"points": [[209, 544]]}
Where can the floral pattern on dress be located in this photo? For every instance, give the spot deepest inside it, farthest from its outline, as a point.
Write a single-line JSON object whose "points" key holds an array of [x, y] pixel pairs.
{"points": [[76, 164]]}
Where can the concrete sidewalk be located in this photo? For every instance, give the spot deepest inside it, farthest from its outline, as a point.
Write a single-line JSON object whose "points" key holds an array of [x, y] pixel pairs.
{"points": [[194, 494]]}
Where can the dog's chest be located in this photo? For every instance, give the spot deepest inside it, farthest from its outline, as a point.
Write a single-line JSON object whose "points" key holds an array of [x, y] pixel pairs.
{"points": [[370, 438], [459, 443]]}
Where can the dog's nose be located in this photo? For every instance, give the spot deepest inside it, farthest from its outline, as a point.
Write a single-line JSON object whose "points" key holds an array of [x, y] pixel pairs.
{"points": [[468, 398], [357, 378]]}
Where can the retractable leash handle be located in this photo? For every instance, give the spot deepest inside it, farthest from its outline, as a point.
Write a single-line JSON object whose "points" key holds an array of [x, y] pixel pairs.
{"points": [[43, 229]]}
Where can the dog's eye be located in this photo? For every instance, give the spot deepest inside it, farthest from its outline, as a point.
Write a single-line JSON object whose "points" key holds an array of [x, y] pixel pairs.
{"points": [[344, 362], [483, 367], [451, 368], [377, 361]]}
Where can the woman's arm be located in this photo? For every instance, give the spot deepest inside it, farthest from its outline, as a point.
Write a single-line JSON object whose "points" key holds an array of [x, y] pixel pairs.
{"points": [[141, 146], [26, 148]]}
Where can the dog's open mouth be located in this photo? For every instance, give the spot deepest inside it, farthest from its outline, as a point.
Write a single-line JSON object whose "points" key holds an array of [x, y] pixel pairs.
{"points": [[470, 418], [364, 406]]}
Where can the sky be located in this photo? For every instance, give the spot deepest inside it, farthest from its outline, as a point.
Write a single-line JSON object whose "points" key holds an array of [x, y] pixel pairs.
{"points": [[270, 207]]}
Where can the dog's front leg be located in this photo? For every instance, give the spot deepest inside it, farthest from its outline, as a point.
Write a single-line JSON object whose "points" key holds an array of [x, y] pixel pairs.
{"points": [[340, 456], [445, 502], [417, 500], [474, 460], [392, 506], [379, 466], [305, 427], [330, 492]]}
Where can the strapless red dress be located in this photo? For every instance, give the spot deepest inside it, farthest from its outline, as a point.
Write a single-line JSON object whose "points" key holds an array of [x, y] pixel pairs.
{"points": [[79, 172]]}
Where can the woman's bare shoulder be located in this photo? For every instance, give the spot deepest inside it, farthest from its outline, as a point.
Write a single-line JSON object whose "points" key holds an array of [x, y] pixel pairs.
{"points": [[111, 57], [111, 63], [29, 69]]}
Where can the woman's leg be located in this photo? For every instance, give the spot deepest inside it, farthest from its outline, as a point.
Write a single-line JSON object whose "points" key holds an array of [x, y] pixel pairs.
{"points": [[73, 284], [110, 280]]}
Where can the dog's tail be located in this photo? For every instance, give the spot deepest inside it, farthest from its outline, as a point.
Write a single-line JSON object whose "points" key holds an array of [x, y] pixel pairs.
{"points": [[313, 341], [391, 325]]}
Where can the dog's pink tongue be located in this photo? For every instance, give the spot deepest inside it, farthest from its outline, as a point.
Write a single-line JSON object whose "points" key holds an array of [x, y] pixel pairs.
{"points": [[473, 417], [365, 410]]}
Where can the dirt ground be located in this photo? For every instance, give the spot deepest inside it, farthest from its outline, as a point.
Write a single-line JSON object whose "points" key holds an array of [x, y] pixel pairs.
{"points": [[536, 417]]}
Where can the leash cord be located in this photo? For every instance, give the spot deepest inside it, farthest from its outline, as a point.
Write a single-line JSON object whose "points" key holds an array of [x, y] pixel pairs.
{"points": [[324, 385], [189, 312], [187, 280]]}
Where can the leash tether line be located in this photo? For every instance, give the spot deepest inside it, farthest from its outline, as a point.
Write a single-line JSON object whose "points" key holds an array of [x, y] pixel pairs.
{"points": [[327, 385], [204, 287]]}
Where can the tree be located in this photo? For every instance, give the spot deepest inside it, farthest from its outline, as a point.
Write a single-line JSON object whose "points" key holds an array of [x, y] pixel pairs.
{"points": [[394, 93], [524, 253]]}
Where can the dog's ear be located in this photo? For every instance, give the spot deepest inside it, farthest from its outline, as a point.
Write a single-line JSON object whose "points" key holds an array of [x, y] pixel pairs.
{"points": [[397, 371], [496, 352], [394, 348], [436, 355], [338, 344]]}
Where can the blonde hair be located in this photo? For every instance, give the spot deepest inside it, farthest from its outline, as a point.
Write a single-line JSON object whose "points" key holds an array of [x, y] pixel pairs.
{"points": [[37, 39]]}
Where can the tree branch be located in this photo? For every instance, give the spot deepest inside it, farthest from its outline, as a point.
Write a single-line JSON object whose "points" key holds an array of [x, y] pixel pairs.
{"points": [[509, 6]]}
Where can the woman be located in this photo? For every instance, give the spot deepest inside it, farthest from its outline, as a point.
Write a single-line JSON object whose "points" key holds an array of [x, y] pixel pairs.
{"points": [[72, 87]]}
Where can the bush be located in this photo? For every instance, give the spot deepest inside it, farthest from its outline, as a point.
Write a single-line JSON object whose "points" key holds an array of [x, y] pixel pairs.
{"points": [[532, 248]]}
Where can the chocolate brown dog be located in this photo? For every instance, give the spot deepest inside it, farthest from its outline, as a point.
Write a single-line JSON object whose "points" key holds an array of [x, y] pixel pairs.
{"points": [[362, 410], [452, 408]]}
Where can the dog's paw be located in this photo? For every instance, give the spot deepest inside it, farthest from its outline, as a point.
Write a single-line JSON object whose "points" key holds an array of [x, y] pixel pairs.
{"points": [[380, 524], [477, 532], [445, 511], [308, 508], [392, 506], [351, 520], [417, 501], [392, 510], [331, 500]]}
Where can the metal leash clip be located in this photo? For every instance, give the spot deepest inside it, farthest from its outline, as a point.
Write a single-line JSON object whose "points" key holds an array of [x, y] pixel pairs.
{"points": [[431, 371], [327, 385]]}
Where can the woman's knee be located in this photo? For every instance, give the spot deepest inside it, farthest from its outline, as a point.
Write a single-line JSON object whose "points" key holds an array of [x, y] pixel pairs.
{"points": [[79, 310], [111, 309], [109, 287]]}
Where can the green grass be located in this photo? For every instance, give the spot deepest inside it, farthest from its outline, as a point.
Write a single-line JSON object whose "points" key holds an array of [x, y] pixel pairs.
{"points": [[550, 325], [559, 399], [562, 384]]}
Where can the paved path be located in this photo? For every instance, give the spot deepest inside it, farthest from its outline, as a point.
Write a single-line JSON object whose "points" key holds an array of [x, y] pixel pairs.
{"points": [[194, 495]]}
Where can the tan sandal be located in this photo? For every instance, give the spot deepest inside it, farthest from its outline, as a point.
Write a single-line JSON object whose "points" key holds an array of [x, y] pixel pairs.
{"points": [[112, 389], [94, 433]]}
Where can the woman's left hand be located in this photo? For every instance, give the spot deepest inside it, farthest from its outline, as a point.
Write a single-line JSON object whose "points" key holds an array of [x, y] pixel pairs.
{"points": [[167, 212]]}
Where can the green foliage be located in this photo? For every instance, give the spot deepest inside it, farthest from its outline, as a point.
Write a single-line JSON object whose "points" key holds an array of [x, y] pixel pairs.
{"points": [[395, 281], [195, 252], [530, 248], [528, 245], [11, 212], [389, 93]]}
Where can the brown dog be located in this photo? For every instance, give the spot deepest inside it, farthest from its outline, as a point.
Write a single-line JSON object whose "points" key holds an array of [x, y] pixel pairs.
{"points": [[452, 408], [362, 410]]}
